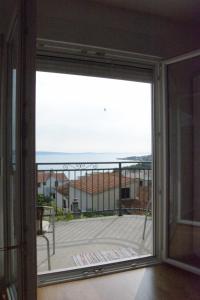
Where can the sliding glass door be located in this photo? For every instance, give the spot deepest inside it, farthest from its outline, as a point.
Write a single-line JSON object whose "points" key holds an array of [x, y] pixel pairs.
{"points": [[17, 155], [183, 104], [95, 165]]}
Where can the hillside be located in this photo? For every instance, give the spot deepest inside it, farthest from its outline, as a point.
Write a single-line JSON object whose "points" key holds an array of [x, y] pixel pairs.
{"points": [[140, 158]]}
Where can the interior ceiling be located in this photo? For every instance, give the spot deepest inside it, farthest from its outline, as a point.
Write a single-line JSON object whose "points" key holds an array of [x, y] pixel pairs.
{"points": [[180, 10]]}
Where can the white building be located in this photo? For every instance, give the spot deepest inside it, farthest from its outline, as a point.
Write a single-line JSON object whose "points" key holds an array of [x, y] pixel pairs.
{"points": [[101, 191], [98, 191], [52, 184]]}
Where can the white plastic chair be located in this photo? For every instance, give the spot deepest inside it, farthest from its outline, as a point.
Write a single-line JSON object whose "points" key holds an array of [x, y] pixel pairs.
{"points": [[46, 226], [146, 215]]}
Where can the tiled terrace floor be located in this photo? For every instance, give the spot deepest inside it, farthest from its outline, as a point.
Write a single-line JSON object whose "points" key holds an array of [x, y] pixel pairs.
{"points": [[95, 235]]}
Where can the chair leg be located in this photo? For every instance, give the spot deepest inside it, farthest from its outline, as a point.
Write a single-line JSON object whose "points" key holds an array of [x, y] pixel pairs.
{"points": [[53, 230], [53, 238], [145, 224], [48, 252]]}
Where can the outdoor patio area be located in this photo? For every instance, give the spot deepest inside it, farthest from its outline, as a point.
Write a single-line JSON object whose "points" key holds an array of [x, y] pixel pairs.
{"points": [[89, 241]]}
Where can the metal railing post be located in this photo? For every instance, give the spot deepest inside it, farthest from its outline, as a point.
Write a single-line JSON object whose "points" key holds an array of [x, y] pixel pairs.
{"points": [[120, 189], [53, 223], [36, 185]]}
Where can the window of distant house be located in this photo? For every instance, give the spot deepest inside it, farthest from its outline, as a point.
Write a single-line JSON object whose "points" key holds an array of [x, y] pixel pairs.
{"points": [[56, 183], [125, 193], [64, 203]]}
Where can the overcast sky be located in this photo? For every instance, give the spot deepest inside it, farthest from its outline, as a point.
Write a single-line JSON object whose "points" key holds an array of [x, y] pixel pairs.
{"points": [[89, 114]]}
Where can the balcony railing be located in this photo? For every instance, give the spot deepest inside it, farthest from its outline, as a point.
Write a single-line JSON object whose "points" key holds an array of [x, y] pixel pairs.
{"points": [[95, 188]]}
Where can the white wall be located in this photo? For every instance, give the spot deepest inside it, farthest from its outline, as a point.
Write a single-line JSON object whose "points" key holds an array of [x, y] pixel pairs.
{"points": [[50, 187], [101, 201], [59, 200]]}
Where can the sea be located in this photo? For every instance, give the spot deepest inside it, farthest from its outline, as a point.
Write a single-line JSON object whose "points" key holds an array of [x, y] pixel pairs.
{"points": [[52, 157], [57, 160]]}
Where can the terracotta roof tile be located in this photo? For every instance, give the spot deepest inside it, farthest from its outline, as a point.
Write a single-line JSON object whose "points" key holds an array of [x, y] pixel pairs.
{"points": [[43, 176], [100, 182], [63, 189]]}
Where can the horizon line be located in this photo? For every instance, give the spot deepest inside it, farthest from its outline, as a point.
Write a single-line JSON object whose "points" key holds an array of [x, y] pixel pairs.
{"points": [[91, 152]]}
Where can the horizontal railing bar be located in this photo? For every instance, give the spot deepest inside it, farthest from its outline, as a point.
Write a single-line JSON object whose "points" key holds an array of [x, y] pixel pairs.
{"points": [[112, 210], [78, 170], [93, 163]]}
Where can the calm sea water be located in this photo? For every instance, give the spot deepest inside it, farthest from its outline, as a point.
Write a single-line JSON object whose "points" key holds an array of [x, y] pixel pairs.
{"points": [[94, 158], [46, 157]]}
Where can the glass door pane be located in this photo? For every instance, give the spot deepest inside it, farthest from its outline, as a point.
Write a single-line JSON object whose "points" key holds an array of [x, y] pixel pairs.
{"points": [[12, 205], [18, 153], [183, 79], [94, 162]]}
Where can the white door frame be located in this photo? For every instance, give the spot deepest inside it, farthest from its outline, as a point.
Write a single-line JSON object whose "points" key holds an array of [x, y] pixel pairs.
{"points": [[50, 55], [22, 25], [164, 65]]}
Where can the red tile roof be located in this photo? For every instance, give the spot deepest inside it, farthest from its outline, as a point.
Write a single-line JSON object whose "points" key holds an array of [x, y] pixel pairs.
{"points": [[100, 182], [63, 189], [43, 176]]}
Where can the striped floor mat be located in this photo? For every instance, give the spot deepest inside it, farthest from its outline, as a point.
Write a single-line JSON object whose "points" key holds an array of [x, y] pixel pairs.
{"points": [[90, 258]]}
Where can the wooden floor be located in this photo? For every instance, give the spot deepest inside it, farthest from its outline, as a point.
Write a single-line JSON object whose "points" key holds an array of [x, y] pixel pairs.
{"points": [[162, 282]]}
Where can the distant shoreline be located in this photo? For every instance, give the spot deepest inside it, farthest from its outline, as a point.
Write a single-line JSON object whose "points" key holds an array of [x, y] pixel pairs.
{"points": [[89, 157], [93, 155], [82, 153], [138, 158]]}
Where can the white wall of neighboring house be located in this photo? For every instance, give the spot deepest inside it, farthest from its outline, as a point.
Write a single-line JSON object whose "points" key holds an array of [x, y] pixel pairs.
{"points": [[45, 188], [55, 195], [59, 200], [109, 200], [50, 189]]}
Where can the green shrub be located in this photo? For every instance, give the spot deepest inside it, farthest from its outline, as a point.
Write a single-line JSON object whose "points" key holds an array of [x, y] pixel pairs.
{"points": [[90, 214], [42, 200], [60, 218], [69, 216]]}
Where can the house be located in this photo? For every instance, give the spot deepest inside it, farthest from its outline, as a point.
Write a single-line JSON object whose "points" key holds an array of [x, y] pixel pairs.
{"points": [[152, 39], [100, 191], [50, 180], [96, 191], [62, 197], [50, 184]]}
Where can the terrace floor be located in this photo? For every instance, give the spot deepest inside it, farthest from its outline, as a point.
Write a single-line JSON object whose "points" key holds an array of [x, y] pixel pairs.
{"points": [[94, 240]]}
